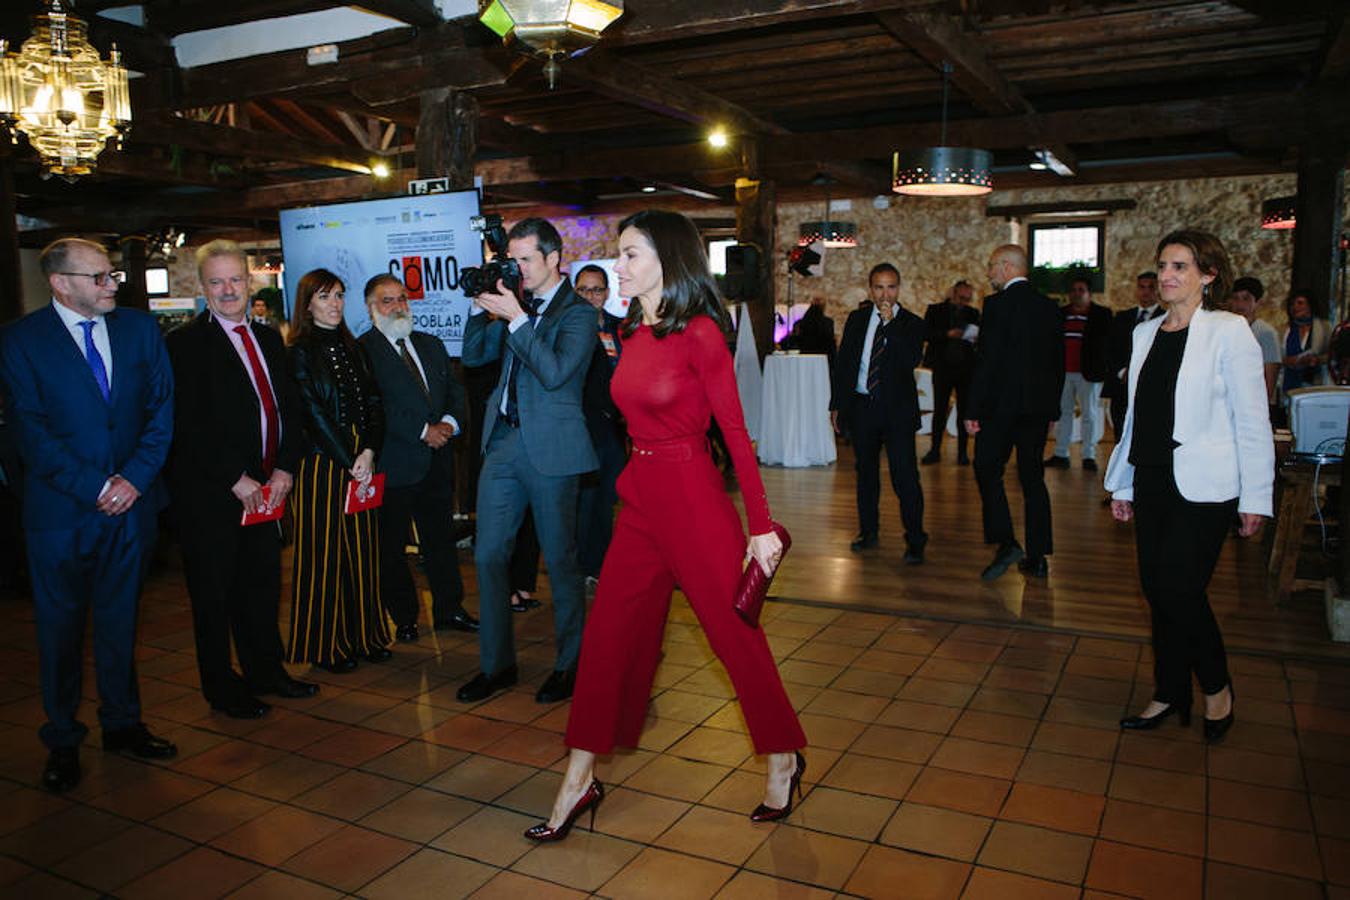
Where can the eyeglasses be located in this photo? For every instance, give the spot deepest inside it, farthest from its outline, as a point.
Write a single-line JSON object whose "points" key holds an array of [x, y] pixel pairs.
{"points": [[100, 278]]}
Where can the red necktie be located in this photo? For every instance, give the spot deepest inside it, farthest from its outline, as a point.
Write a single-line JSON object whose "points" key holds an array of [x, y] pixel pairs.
{"points": [[269, 403]]}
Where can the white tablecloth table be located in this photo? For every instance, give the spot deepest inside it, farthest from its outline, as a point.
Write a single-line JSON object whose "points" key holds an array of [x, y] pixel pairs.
{"points": [[795, 411]]}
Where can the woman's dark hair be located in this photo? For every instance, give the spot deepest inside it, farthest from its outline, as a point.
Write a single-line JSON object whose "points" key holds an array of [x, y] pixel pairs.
{"points": [[687, 285], [302, 322], [1210, 257], [1306, 295]]}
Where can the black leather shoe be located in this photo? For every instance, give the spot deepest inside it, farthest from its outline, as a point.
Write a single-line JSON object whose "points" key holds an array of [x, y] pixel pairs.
{"points": [[406, 634], [138, 741], [962, 459], [482, 685], [1057, 462], [914, 555], [339, 666], [1089, 465], [379, 655], [864, 541], [460, 621], [290, 688], [932, 456], [558, 686], [1034, 567], [1007, 554], [1148, 723], [62, 771], [243, 708]]}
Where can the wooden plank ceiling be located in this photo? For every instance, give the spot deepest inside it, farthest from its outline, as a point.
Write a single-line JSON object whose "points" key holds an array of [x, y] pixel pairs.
{"points": [[1116, 90]]}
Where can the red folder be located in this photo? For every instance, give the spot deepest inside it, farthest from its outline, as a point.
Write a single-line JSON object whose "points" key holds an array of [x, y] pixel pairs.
{"points": [[265, 514], [360, 500]]}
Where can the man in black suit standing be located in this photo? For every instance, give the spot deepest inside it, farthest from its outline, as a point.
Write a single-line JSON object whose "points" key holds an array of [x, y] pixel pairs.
{"points": [[238, 434], [952, 326], [423, 407], [1087, 328], [875, 401], [1019, 374], [1120, 342]]}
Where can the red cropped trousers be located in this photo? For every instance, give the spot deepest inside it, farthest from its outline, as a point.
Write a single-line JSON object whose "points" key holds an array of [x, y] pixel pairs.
{"points": [[677, 526]]}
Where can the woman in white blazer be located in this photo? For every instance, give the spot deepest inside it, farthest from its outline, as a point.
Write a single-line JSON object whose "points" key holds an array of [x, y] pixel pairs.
{"points": [[1196, 449]]}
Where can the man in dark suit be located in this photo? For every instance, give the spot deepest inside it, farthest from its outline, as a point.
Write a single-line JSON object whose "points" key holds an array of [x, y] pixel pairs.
{"points": [[599, 492], [239, 434], [424, 405], [535, 448], [1119, 344], [89, 394], [1019, 374], [1087, 329], [876, 402], [951, 327]]}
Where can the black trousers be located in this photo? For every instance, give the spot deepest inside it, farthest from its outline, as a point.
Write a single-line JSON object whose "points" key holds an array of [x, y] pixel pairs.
{"points": [[945, 380], [1118, 406], [872, 425], [234, 585], [994, 445], [599, 496], [429, 503], [1178, 543]]}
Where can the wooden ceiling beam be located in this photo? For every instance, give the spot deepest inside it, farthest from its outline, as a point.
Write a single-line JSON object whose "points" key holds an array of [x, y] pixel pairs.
{"points": [[940, 40], [308, 120], [649, 21], [222, 140], [629, 83], [1336, 60]]}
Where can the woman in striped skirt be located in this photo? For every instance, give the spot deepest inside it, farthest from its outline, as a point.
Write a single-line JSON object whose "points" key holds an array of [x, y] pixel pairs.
{"points": [[337, 615]]}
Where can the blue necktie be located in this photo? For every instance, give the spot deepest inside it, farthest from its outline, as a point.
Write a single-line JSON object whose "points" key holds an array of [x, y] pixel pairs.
{"points": [[95, 359]]}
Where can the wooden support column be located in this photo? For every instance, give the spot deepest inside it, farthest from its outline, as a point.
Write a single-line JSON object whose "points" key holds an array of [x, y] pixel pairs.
{"points": [[756, 223], [11, 277], [447, 136], [1321, 188], [133, 292]]}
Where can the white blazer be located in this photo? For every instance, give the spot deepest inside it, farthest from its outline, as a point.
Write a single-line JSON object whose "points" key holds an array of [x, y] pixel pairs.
{"points": [[1222, 419]]}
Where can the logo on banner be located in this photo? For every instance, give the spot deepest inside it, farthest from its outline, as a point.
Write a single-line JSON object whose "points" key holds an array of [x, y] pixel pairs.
{"points": [[426, 274]]}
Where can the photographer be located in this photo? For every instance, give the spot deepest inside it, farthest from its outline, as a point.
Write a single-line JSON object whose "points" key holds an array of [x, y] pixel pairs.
{"points": [[535, 444]]}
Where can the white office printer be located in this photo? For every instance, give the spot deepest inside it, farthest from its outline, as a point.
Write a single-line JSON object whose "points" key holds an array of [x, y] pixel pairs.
{"points": [[1318, 417]]}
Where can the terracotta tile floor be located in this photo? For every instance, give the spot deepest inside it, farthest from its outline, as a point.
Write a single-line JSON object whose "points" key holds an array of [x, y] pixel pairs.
{"points": [[948, 760]]}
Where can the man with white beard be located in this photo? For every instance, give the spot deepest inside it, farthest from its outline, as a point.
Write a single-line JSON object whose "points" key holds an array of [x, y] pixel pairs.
{"points": [[423, 406]]}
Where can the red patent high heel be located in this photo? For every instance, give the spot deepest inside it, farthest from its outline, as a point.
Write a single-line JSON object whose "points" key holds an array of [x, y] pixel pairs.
{"points": [[765, 813], [589, 800]]}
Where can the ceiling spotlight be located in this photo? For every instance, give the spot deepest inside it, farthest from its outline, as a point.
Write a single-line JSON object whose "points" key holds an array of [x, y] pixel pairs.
{"points": [[648, 189], [719, 138], [1037, 166], [380, 170]]}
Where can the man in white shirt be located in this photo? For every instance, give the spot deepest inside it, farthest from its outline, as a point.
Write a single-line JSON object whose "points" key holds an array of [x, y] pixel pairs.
{"points": [[1244, 299], [423, 406]]}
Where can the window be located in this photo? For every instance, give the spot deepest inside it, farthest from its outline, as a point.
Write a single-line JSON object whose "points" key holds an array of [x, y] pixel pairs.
{"points": [[1062, 251], [157, 281], [717, 255]]}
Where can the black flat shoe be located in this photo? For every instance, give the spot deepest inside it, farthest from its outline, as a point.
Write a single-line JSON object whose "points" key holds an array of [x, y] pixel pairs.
{"points": [[379, 655], [243, 708], [521, 604], [406, 634], [482, 685], [913, 555], [1007, 555], [557, 687], [62, 771], [1034, 567], [339, 666], [1148, 723], [460, 621], [1057, 462], [932, 456], [289, 688], [1216, 729], [864, 541], [138, 741]]}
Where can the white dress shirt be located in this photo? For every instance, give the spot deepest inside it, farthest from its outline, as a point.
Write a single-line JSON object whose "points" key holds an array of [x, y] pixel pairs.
{"points": [[237, 342], [873, 323], [71, 319], [422, 370]]}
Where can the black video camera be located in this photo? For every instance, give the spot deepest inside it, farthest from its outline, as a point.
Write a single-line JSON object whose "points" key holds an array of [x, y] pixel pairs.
{"points": [[475, 280]]}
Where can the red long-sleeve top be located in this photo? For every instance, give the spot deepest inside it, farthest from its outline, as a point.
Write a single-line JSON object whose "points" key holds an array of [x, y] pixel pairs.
{"points": [[668, 387]]}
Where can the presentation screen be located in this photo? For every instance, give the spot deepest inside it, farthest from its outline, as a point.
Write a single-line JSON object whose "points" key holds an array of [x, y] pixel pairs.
{"points": [[424, 240]]}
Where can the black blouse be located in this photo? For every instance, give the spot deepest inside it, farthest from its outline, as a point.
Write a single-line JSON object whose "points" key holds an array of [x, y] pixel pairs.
{"points": [[1155, 411]]}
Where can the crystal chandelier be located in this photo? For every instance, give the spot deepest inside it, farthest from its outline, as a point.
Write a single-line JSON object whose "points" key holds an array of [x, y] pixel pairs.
{"points": [[551, 28], [59, 94]]}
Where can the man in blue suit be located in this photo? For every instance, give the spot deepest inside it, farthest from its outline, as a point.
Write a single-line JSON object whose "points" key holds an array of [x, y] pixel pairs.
{"points": [[535, 448], [90, 395]]}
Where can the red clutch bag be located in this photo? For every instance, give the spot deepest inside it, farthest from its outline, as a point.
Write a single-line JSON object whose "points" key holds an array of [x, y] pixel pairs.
{"points": [[754, 586], [360, 499]]}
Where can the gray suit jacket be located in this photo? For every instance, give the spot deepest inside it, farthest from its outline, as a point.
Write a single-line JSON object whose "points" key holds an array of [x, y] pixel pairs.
{"points": [[406, 459], [554, 357]]}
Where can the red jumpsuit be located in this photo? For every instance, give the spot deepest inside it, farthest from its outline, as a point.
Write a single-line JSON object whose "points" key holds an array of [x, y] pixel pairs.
{"points": [[676, 526]]}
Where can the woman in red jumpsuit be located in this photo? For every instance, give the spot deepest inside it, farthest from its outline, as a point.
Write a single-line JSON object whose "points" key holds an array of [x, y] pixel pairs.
{"points": [[677, 526]]}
